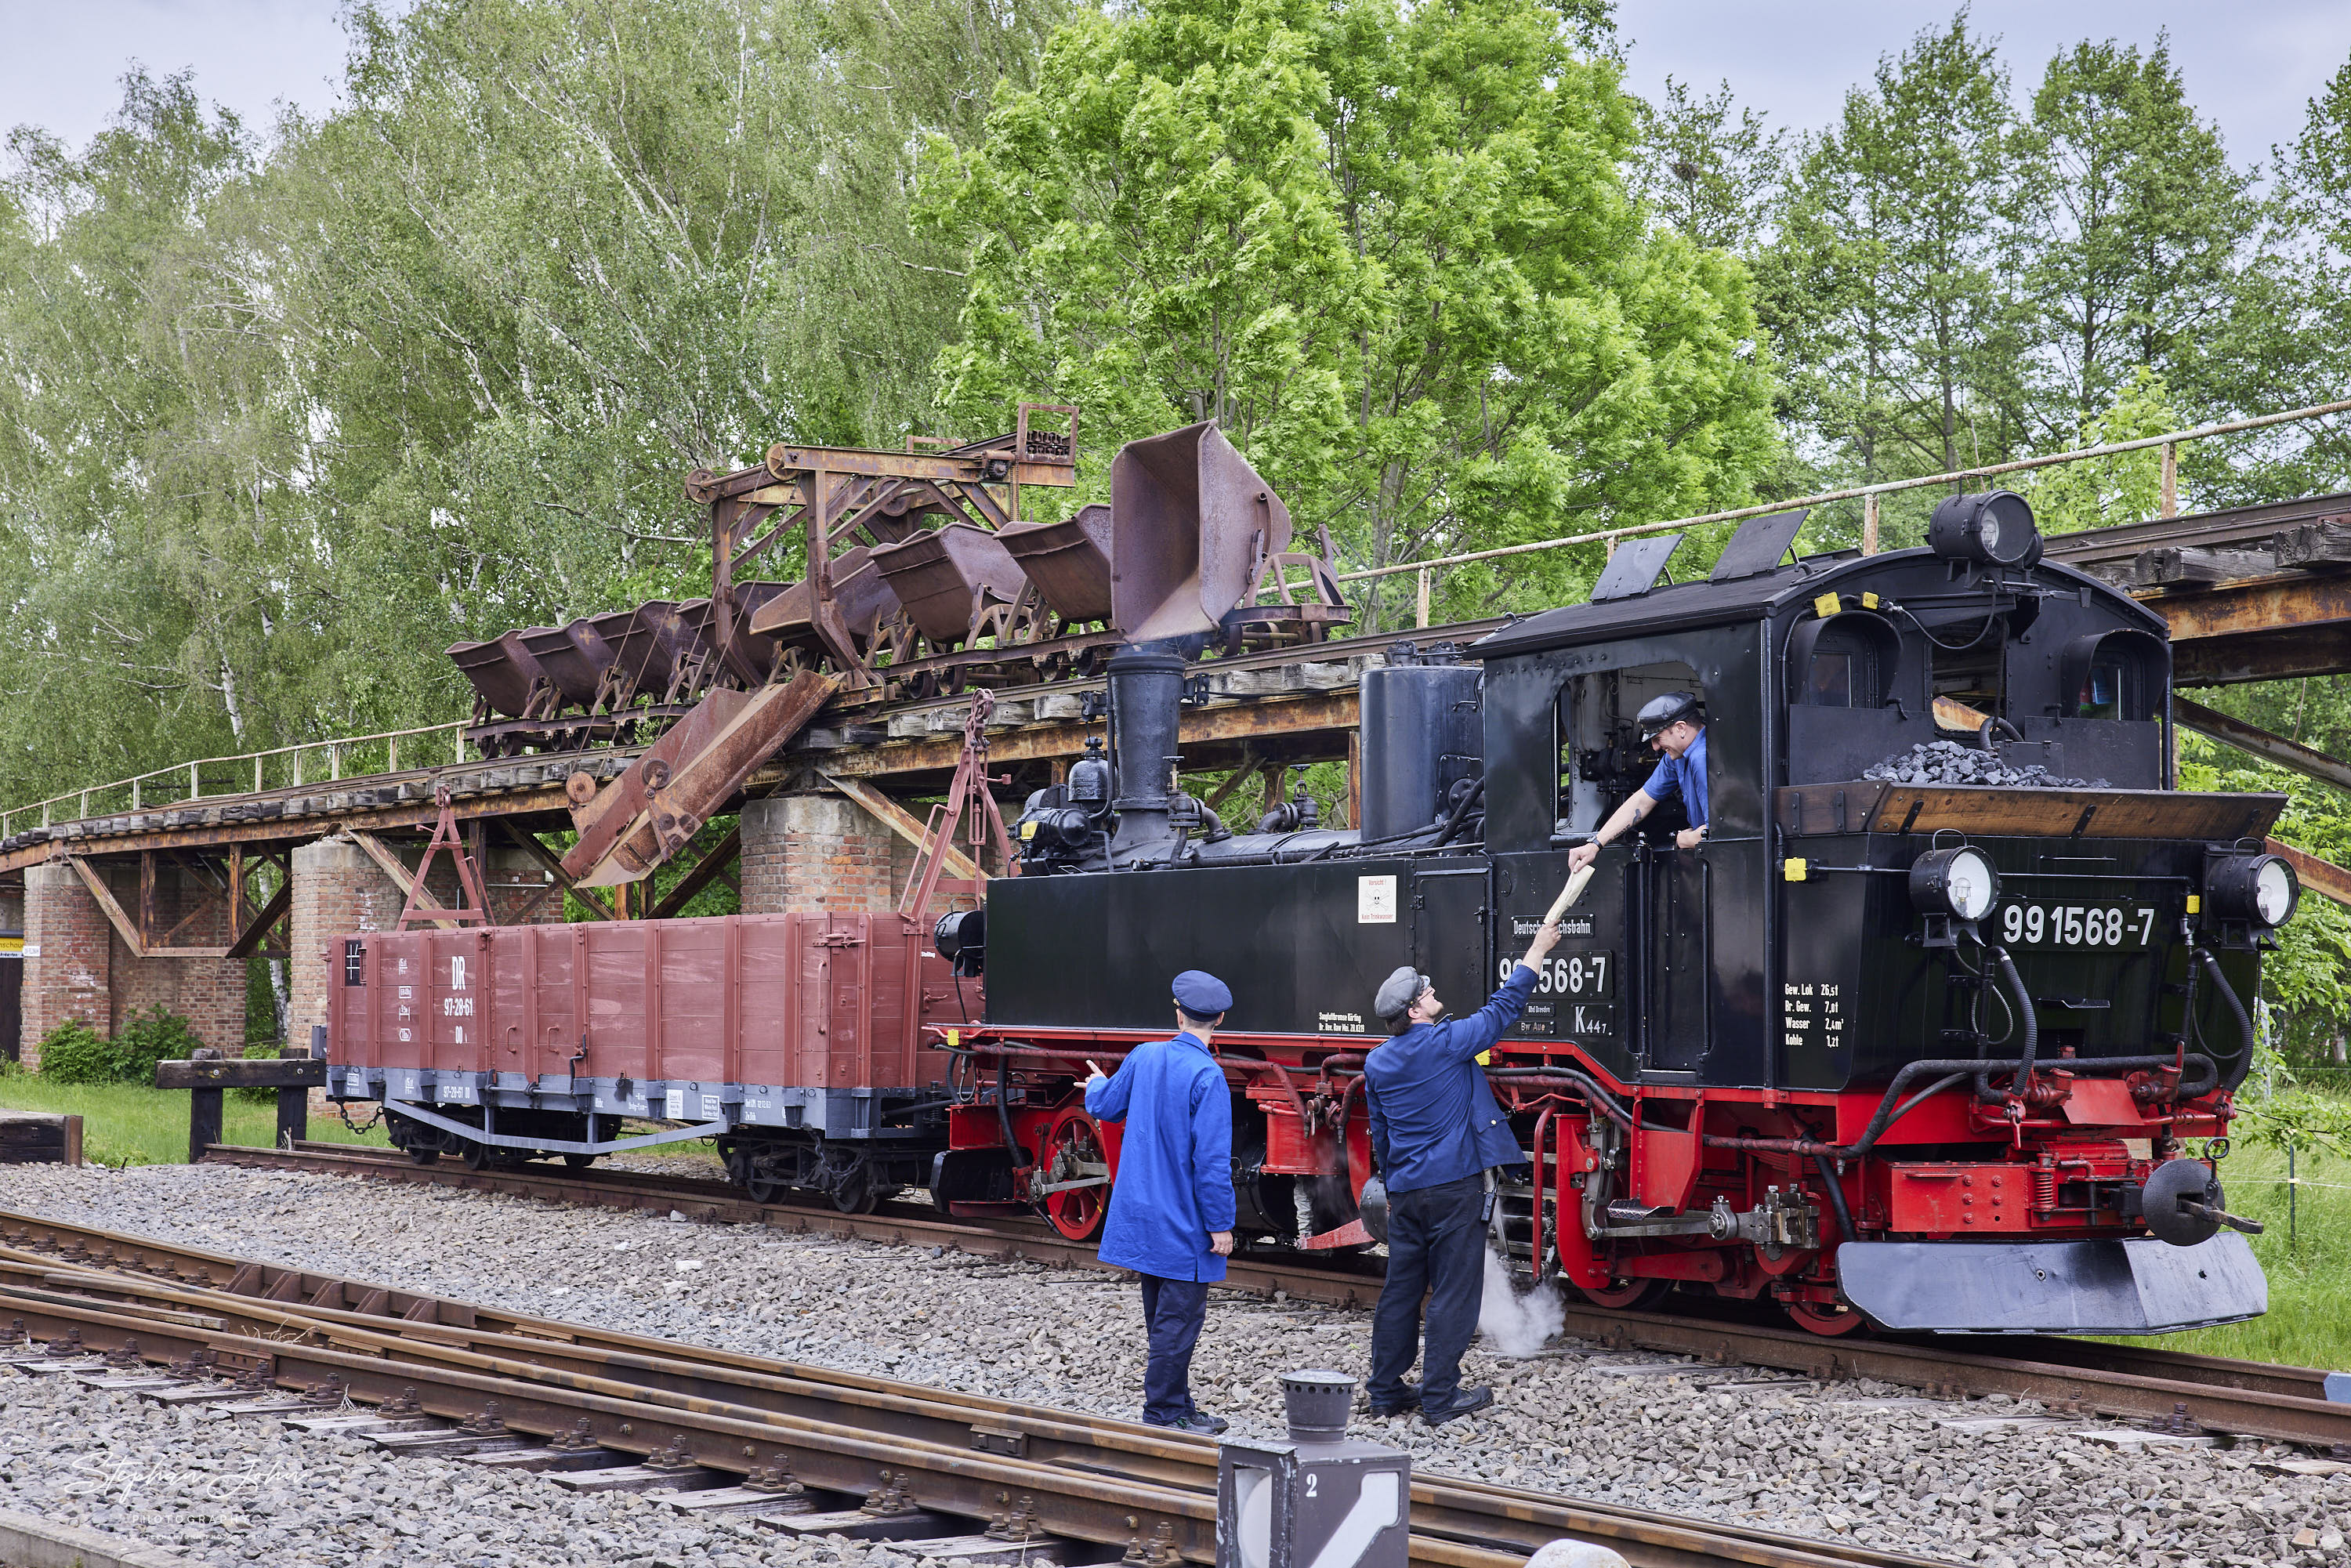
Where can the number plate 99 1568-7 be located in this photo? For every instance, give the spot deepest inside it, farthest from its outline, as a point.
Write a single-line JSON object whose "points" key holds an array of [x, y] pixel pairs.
{"points": [[2087, 926]]}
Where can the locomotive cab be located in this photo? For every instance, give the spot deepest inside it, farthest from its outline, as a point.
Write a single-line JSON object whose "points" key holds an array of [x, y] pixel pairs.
{"points": [[1804, 1037]]}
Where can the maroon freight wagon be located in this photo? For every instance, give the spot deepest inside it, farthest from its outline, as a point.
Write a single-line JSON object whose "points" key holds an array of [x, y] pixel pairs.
{"points": [[816, 1045]]}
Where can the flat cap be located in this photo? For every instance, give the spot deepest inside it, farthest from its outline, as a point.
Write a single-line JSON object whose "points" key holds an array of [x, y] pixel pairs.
{"points": [[1201, 994], [1663, 712], [1399, 991]]}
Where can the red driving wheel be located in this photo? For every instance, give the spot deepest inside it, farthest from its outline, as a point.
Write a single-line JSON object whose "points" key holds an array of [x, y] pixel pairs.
{"points": [[1826, 1318], [1626, 1295], [1074, 1152]]}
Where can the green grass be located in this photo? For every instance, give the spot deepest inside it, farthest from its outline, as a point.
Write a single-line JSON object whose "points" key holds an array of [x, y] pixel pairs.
{"points": [[2309, 1265], [126, 1124]]}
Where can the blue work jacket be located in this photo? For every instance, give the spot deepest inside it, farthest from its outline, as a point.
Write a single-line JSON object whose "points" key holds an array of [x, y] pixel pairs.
{"points": [[1683, 776], [1434, 1115], [1174, 1183]]}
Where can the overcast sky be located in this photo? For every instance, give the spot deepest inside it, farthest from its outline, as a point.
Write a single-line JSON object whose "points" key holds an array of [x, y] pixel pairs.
{"points": [[2250, 64]]}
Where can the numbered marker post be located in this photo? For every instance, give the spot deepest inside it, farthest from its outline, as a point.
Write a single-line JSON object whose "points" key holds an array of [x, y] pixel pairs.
{"points": [[1318, 1500]]}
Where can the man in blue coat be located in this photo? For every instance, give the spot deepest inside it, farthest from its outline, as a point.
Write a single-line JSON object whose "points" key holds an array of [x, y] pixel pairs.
{"points": [[1437, 1130], [1171, 1210]]}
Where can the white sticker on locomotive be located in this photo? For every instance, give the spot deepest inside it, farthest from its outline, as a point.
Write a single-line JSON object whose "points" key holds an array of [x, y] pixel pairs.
{"points": [[1375, 899], [710, 1112], [2110, 925], [1568, 925], [1339, 1023], [1812, 1012], [674, 1106]]}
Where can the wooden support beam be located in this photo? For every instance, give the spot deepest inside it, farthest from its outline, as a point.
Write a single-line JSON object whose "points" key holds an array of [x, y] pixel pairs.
{"points": [[706, 870], [249, 941], [2277, 749], [146, 897], [2322, 877], [2318, 546], [1235, 780], [546, 857], [405, 880], [898, 819], [124, 927]]}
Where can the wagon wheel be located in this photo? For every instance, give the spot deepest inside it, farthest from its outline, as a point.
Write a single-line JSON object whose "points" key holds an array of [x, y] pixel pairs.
{"points": [[579, 1161], [424, 1156], [1073, 1152], [1626, 1295], [1826, 1318], [479, 1156], [857, 1195], [762, 1189]]}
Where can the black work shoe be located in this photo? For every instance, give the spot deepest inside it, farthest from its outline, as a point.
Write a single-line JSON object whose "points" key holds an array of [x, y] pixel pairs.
{"points": [[1407, 1401], [1469, 1401], [1197, 1422]]}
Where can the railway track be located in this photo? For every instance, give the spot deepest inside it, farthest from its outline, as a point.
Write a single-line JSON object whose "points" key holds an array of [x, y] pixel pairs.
{"points": [[2184, 1392], [796, 1449]]}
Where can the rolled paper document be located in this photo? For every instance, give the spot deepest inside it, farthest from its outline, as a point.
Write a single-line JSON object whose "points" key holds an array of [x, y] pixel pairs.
{"points": [[1569, 894]]}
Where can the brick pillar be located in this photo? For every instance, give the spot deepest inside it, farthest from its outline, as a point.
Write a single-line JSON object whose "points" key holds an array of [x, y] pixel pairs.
{"points": [[513, 879], [336, 890], [813, 851], [208, 992], [69, 957]]}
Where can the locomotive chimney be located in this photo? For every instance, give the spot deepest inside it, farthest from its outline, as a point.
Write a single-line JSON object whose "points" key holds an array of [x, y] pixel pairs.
{"points": [[1146, 697]]}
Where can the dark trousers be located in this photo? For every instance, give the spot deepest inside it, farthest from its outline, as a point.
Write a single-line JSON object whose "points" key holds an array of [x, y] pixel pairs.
{"points": [[1174, 1311], [1436, 1246]]}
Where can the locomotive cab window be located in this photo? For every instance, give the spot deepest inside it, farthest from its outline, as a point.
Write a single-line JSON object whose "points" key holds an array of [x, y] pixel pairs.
{"points": [[1601, 757], [1845, 661], [1965, 672], [2113, 675]]}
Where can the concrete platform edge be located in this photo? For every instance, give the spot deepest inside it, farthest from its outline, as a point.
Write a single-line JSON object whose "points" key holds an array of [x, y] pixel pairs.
{"points": [[29, 1541]]}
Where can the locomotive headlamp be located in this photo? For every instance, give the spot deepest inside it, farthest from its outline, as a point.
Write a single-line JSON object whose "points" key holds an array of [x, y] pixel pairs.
{"points": [[1995, 528], [2260, 890], [1958, 883], [961, 938]]}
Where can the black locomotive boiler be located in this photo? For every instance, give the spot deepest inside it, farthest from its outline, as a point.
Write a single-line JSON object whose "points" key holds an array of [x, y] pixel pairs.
{"points": [[1884, 1048]]}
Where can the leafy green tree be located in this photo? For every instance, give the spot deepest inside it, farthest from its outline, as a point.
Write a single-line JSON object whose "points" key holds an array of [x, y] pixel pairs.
{"points": [[1710, 168], [1391, 251], [2125, 487], [1884, 293], [152, 448], [2131, 228]]}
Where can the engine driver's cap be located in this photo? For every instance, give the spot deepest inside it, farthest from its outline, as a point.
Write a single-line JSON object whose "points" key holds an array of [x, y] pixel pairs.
{"points": [[1660, 714], [1399, 991], [1201, 994]]}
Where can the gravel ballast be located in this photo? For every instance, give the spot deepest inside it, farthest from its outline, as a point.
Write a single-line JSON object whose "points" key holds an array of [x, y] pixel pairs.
{"points": [[1856, 1460]]}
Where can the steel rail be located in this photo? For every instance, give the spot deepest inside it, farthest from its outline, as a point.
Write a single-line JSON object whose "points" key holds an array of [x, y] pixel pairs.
{"points": [[2136, 1382], [1088, 1476]]}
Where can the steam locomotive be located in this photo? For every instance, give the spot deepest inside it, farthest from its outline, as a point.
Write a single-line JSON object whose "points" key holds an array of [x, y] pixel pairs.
{"points": [[1883, 1049]]}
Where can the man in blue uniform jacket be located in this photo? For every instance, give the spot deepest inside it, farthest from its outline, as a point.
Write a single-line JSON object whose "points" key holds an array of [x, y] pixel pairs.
{"points": [[1437, 1130], [1171, 1210], [1675, 727]]}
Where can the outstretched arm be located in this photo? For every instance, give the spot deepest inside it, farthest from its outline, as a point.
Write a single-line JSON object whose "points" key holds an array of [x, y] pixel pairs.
{"points": [[1107, 1097], [1475, 1035], [1637, 805]]}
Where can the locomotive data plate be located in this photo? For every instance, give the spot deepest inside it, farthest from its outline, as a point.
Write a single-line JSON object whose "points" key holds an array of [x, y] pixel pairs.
{"points": [[2125, 926], [1590, 977]]}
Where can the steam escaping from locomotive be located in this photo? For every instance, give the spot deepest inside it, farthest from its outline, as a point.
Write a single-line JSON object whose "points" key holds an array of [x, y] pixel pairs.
{"points": [[1517, 1320]]}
